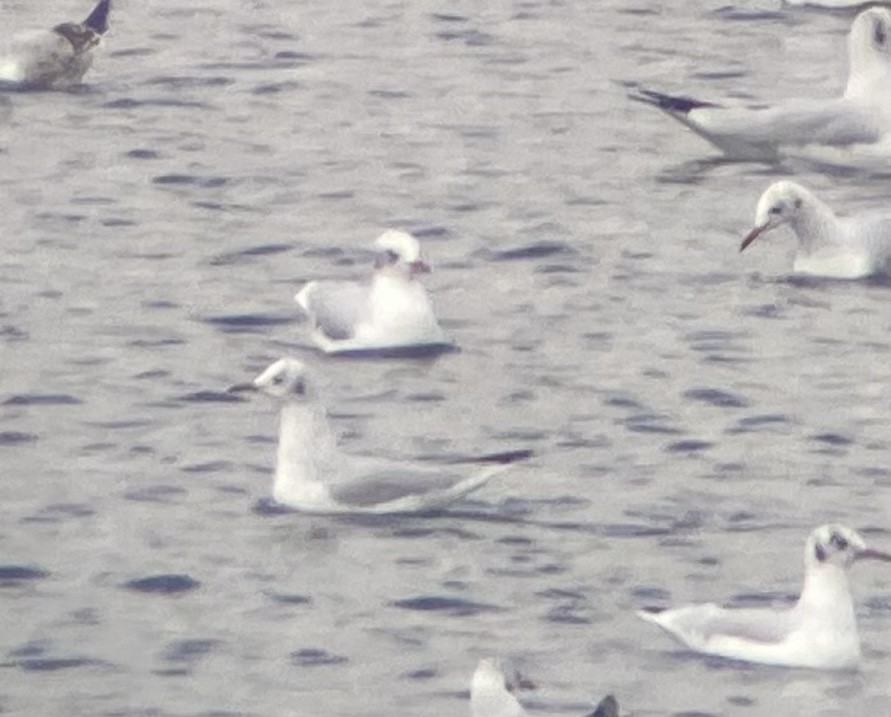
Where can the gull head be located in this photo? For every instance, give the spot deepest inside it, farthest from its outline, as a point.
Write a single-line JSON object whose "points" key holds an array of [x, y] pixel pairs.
{"points": [[284, 379], [490, 695], [780, 204], [838, 545], [869, 48], [400, 250]]}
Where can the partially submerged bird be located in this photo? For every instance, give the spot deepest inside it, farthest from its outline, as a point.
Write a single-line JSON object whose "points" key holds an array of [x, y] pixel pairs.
{"points": [[861, 116], [828, 246], [491, 695], [820, 631], [56, 58], [312, 475], [390, 311]]}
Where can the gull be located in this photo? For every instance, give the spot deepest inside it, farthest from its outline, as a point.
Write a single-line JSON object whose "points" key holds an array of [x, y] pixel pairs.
{"points": [[819, 632], [850, 248], [312, 475], [56, 58], [861, 116], [391, 311], [491, 695]]}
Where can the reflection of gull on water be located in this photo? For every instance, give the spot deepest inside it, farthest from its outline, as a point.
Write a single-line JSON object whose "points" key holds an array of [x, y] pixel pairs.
{"points": [[820, 631], [861, 116], [828, 246], [491, 695], [312, 475], [390, 311], [56, 58]]}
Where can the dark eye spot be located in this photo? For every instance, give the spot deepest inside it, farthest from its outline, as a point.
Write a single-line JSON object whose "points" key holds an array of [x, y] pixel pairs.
{"points": [[392, 256], [839, 541], [278, 380], [777, 209]]}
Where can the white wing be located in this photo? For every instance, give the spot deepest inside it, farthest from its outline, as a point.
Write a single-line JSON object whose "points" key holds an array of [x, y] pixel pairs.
{"points": [[336, 308]]}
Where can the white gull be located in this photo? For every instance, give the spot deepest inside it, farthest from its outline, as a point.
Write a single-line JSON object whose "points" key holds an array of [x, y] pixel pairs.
{"points": [[860, 117], [820, 631], [828, 246], [491, 695], [56, 58], [390, 311], [313, 475]]}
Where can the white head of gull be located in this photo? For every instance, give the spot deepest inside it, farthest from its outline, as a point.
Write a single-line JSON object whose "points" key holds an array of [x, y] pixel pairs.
{"points": [[819, 632], [828, 246], [313, 475]]}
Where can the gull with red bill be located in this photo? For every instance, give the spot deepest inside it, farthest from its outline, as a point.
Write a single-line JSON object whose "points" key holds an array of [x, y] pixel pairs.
{"points": [[819, 631], [389, 311], [828, 246]]}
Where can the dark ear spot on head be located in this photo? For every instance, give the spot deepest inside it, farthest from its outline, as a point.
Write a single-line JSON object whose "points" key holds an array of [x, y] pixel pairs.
{"points": [[879, 34], [798, 203], [300, 388], [820, 552]]}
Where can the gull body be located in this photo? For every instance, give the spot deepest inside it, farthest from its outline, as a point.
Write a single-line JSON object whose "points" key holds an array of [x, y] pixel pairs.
{"points": [[391, 310], [861, 116], [491, 695], [55, 58], [819, 632], [828, 246], [313, 475]]}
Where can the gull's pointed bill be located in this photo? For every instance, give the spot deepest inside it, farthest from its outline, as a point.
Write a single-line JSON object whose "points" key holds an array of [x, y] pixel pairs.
{"points": [[313, 475], [57, 58], [828, 246], [389, 312], [860, 117], [819, 631]]}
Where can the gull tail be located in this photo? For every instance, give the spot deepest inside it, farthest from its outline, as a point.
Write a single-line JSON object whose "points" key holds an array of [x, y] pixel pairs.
{"points": [[98, 19], [608, 707], [673, 104]]}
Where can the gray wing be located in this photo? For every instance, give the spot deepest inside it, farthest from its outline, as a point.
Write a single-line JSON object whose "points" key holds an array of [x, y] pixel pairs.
{"points": [[767, 626], [389, 485], [797, 122], [337, 307]]}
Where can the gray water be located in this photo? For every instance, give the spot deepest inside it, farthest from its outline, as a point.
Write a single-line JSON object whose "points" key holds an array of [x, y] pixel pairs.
{"points": [[694, 412]]}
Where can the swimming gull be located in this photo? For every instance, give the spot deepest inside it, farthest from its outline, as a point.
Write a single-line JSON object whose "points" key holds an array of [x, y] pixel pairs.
{"points": [[820, 631], [312, 475], [861, 116], [491, 695], [390, 311], [56, 58], [828, 246]]}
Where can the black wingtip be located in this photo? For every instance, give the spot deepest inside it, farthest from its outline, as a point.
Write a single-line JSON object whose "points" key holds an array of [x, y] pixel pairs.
{"points": [[98, 19], [608, 707], [669, 103]]}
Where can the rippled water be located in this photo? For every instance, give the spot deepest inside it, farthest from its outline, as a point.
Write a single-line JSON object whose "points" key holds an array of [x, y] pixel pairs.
{"points": [[694, 412]]}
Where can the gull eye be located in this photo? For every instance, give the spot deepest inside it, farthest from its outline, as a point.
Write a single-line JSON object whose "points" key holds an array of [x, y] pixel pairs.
{"points": [[775, 210], [278, 380], [839, 541], [392, 256]]}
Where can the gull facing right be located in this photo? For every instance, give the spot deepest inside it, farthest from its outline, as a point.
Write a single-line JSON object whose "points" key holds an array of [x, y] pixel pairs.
{"points": [[819, 632], [861, 116], [828, 246]]}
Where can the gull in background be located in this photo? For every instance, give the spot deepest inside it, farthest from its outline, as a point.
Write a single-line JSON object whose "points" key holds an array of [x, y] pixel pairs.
{"points": [[819, 632], [828, 246], [390, 311], [56, 58], [861, 116], [491, 695], [312, 475]]}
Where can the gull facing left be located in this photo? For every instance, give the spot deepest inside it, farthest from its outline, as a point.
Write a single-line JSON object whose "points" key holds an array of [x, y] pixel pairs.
{"points": [[828, 246], [819, 632], [313, 475], [56, 58]]}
